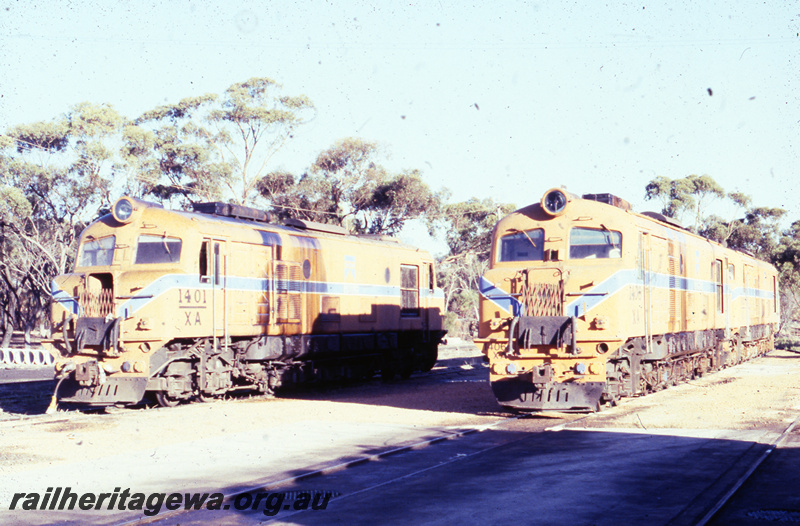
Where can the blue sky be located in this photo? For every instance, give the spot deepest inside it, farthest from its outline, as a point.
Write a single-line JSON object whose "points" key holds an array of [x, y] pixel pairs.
{"points": [[500, 100]]}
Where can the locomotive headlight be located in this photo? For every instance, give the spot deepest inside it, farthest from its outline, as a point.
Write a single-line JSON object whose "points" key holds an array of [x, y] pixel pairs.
{"points": [[123, 210], [555, 201], [511, 368]]}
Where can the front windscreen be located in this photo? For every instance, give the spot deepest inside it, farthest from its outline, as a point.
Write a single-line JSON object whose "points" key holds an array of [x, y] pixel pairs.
{"points": [[590, 243], [158, 249], [97, 252], [523, 246]]}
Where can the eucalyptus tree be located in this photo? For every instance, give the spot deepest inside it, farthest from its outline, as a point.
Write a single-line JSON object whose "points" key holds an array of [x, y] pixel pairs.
{"points": [[468, 228], [56, 176], [688, 194], [786, 258], [758, 232], [212, 146], [170, 155], [348, 186], [259, 119]]}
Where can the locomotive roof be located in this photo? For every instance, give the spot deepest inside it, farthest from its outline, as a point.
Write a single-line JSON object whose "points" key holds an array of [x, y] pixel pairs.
{"points": [[613, 204], [294, 228]]}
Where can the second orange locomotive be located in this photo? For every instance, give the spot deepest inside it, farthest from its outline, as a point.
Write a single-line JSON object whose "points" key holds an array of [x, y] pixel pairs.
{"points": [[586, 301]]}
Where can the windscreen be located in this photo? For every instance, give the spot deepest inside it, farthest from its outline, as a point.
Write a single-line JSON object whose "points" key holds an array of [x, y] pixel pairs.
{"points": [[523, 246], [97, 252], [158, 249], [590, 243]]}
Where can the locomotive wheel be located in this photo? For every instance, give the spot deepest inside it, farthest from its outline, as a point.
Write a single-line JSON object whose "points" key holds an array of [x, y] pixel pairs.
{"points": [[205, 398], [164, 400]]}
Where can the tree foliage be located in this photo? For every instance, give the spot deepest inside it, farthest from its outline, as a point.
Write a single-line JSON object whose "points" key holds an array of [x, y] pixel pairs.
{"points": [[786, 257], [469, 224], [690, 194], [55, 176], [212, 147], [468, 227], [347, 186], [170, 155], [259, 119]]}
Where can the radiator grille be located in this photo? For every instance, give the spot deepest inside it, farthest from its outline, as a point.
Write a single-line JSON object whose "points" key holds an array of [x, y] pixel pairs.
{"points": [[97, 304], [543, 299]]}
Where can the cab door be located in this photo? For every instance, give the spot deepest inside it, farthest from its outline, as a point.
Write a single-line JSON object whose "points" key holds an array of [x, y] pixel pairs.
{"points": [[217, 279], [720, 308], [645, 278]]}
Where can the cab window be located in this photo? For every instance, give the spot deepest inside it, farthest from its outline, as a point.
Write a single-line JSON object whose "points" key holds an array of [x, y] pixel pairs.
{"points": [[158, 249], [523, 246], [97, 252], [591, 243]]}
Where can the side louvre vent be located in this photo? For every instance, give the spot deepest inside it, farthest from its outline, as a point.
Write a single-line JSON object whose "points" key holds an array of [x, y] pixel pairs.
{"points": [[288, 286]]}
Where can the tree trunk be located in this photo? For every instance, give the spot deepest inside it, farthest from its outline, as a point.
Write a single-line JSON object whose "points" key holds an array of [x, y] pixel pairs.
{"points": [[8, 333]]}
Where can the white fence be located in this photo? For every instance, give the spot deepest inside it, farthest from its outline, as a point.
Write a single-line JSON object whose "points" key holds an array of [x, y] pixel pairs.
{"points": [[22, 357]]}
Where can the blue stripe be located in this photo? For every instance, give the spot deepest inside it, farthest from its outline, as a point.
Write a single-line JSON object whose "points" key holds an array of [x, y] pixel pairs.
{"points": [[602, 291], [65, 300], [170, 282], [616, 282], [500, 297]]}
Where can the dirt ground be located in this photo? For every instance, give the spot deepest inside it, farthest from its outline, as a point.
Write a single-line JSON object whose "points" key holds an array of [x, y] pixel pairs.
{"points": [[763, 393], [66, 437]]}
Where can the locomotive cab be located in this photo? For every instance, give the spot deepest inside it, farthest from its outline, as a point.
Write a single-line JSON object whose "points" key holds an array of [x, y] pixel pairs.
{"points": [[93, 306]]}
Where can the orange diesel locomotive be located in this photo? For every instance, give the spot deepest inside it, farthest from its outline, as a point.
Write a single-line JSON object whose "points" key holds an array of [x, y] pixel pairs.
{"points": [[586, 301], [195, 305]]}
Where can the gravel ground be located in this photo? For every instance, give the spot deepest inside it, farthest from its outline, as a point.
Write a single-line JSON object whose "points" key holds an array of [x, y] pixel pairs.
{"points": [[763, 393], [202, 443], [760, 394], [459, 397]]}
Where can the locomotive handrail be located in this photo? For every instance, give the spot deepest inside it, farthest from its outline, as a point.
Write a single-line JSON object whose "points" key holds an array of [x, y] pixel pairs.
{"points": [[511, 328], [135, 296], [67, 343]]}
